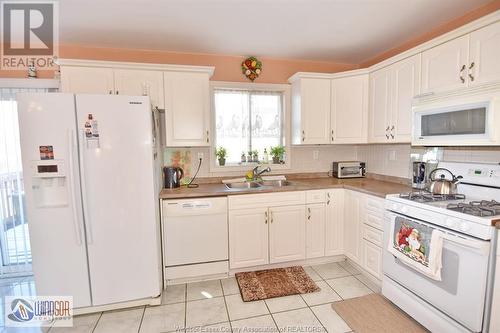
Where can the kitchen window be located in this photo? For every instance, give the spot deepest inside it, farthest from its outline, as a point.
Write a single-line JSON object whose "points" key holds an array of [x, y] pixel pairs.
{"points": [[247, 122]]}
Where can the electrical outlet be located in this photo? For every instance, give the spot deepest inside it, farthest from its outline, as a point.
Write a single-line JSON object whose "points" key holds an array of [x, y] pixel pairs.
{"points": [[200, 156], [315, 154]]}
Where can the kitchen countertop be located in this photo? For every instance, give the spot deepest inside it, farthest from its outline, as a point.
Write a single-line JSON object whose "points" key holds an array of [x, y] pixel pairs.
{"points": [[378, 188]]}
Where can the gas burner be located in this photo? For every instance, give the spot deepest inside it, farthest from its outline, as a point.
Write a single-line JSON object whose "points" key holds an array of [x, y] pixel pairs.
{"points": [[426, 196], [477, 208]]}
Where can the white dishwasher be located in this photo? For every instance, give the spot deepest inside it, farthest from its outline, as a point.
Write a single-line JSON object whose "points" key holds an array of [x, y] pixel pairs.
{"points": [[195, 237]]}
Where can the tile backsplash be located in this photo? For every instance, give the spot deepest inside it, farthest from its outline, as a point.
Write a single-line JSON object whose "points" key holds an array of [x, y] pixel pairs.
{"points": [[394, 159], [384, 159]]}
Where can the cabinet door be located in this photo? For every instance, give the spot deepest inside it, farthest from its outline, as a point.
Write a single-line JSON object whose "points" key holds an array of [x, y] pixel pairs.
{"points": [[372, 259], [484, 66], [444, 66], [405, 79], [334, 225], [140, 83], [248, 237], [350, 109], [315, 230], [380, 107], [352, 233], [287, 233], [315, 111], [187, 109], [87, 80]]}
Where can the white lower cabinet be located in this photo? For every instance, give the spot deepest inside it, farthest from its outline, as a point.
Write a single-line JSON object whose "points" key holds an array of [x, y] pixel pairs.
{"points": [[287, 233], [248, 237], [353, 209], [334, 222], [315, 230], [372, 259]]}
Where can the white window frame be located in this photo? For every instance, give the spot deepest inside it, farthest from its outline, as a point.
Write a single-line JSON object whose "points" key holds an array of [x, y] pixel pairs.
{"points": [[285, 90]]}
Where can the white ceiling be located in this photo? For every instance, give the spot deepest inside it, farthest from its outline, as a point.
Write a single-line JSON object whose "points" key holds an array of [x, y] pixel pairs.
{"points": [[349, 31]]}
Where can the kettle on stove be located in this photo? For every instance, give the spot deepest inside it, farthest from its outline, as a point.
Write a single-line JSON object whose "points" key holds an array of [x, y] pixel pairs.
{"points": [[172, 177]]}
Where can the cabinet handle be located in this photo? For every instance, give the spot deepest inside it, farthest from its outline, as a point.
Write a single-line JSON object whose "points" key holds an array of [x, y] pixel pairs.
{"points": [[309, 213], [387, 132], [266, 217], [471, 77], [117, 92], [328, 198], [303, 135], [461, 76], [332, 136], [111, 92], [392, 129], [272, 217], [208, 137]]}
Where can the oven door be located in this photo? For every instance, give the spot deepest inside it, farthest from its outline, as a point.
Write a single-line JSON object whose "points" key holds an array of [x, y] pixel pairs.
{"points": [[462, 291]]}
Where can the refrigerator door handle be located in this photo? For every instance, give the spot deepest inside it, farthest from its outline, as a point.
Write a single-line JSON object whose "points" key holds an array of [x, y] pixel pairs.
{"points": [[86, 214], [76, 220]]}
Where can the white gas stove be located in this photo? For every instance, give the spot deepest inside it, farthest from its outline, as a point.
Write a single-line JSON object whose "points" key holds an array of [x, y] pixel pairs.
{"points": [[461, 301]]}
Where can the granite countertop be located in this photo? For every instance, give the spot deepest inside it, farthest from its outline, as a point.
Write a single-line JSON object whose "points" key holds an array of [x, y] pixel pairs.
{"points": [[375, 187]]}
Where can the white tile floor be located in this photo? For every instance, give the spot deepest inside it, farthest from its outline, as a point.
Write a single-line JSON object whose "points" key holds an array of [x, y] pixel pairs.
{"points": [[216, 307]]}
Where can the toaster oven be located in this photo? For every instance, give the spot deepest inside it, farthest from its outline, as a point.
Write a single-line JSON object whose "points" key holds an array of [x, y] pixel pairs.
{"points": [[349, 169]]}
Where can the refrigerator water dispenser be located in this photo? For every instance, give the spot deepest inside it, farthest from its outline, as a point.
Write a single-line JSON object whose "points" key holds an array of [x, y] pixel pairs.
{"points": [[50, 184]]}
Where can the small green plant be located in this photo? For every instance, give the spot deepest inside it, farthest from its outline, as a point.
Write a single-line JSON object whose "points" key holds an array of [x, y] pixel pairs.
{"points": [[277, 153], [221, 154]]}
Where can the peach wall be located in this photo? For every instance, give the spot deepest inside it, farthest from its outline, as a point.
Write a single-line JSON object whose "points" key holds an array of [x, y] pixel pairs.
{"points": [[438, 31], [227, 68]]}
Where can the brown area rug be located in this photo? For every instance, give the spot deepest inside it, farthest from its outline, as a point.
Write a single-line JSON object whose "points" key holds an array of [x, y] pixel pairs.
{"points": [[276, 282], [375, 314]]}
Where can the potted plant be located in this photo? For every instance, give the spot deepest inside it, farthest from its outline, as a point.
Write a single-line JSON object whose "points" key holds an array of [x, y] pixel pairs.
{"points": [[243, 157], [221, 154], [249, 156], [255, 154], [277, 154]]}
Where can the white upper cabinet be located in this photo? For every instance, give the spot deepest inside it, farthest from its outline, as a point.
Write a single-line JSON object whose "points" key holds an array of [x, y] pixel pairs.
{"points": [[405, 84], [311, 111], [287, 233], [187, 109], [444, 67], [391, 93], [380, 108], [349, 117], [87, 80], [484, 66], [140, 83]]}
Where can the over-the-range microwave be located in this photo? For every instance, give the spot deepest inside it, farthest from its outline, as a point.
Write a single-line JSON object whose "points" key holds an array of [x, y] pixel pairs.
{"points": [[468, 119]]}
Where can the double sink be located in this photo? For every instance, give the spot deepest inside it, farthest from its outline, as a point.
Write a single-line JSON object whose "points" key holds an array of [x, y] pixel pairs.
{"points": [[257, 184]]}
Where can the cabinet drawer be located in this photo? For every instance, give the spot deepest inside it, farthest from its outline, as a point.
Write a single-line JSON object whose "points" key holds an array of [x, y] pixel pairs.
{"points": [[374, 220], [266, 200], [372, 259], [374, 205], [316, 196], [373, 235]]}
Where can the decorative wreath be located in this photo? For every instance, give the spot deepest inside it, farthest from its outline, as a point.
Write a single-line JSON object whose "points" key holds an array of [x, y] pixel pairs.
{"points": [[251, 67]]}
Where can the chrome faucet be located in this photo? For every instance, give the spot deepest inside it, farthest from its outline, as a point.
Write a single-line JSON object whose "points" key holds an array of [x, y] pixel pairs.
{"points": [[256, 173]]}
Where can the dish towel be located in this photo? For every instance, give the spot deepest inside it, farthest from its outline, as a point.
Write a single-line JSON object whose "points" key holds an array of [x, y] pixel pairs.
{"points": [[418, 246]]}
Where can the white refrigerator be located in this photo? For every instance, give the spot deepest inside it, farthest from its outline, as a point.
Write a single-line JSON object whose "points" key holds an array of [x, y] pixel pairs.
{"points": [[91, 178]]}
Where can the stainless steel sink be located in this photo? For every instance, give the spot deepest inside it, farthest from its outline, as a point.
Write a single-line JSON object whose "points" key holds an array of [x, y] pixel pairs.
{"points": [[275, 183], [243, 186]]}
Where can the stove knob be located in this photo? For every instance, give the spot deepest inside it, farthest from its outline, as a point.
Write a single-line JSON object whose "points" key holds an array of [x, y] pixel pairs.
{"points": [[464, 227]]}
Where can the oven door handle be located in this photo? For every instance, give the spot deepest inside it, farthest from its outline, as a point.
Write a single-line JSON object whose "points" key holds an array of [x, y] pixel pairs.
{"points": [[481, 247]]}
